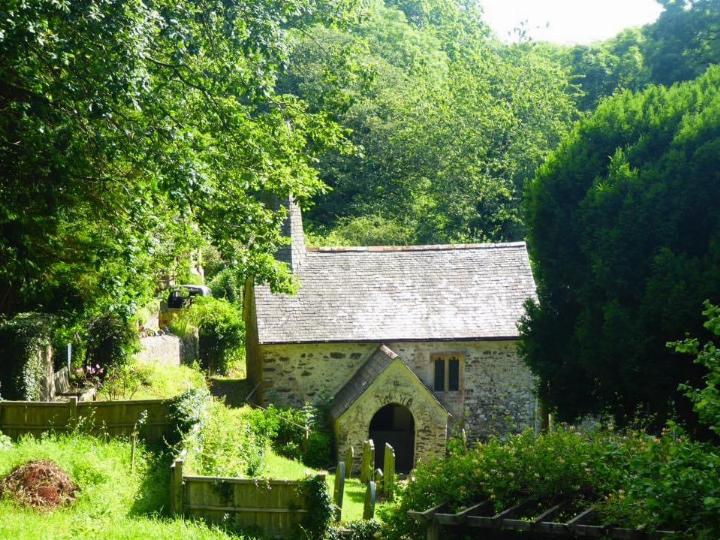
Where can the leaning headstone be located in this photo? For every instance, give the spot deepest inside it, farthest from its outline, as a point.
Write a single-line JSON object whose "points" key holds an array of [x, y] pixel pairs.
{"points": [[464, 440], [379, 481], [349, 461], [339, 489], [389, 472], [368, 461], [369, 507]]}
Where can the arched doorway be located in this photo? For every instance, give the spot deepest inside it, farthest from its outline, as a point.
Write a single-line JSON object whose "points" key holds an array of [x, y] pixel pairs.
{"points": [[394, 424]]}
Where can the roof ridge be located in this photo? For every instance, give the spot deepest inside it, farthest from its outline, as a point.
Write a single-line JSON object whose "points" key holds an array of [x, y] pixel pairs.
{"points": [[428, 247]]}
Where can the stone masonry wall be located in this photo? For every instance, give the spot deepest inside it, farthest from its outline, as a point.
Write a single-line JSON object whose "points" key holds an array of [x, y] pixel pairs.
{"points": [[295, 374], [498, 392], [497, 395]]}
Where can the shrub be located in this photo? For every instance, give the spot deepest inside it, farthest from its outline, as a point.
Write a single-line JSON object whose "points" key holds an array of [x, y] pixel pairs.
{"points": [[706, 401], [637, 480], [316, 523], [24, 343], [111, 340], [286, 430], [189, 411], [356, 530], [221, 331], [225, 444], [673, 483], [318, 450]]}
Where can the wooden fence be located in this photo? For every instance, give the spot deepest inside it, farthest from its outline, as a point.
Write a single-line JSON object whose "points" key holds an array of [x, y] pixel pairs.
{"points": [[273, 508], [116, 418], [528, 518]]}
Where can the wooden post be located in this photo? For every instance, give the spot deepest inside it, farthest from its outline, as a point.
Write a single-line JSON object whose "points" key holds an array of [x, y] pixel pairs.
{"points": [[176, 487], [339, 489], [433, 530], [389, 472], [368, 461], [349, 461], [73, 404], [369, 507]]}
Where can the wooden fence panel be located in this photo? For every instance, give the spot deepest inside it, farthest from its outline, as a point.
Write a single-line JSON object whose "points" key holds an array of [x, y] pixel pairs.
{"points": [[273, 507], [117, 418]]}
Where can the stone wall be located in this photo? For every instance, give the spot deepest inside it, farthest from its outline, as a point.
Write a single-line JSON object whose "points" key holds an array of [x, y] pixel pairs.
{"points": [[498, 393], [165, 350], [497, 396], [295, 374]]}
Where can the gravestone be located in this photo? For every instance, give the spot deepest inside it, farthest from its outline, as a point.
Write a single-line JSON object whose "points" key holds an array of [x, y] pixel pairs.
{"points": [[370, 495], [368, 461], [339, 489], [349, 461], [389, 472]]}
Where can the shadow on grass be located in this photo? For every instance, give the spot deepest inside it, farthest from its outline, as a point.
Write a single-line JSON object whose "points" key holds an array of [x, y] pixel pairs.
{"points": [[154, 491]]}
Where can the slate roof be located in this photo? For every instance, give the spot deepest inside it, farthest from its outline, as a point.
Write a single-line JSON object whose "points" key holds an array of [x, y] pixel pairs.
{"points": [[364, 377], [385, 294], [361, 380]]}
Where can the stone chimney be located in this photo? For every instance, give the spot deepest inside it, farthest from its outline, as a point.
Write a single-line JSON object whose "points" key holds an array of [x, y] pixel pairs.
{"points": [[293, 254]]}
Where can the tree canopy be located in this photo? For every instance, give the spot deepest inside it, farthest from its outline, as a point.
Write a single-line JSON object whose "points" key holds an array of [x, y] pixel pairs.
{"points": [[449, 125], [133, 131], [626, 245]]}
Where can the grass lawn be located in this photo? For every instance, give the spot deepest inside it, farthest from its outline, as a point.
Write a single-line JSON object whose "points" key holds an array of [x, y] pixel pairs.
{"points": [[280, 467], [113, 503], [140, 380]]}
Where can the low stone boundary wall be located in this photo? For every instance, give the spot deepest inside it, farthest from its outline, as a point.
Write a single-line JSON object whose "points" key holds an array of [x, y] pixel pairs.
{"points": [[116, 418], [273, 508]]}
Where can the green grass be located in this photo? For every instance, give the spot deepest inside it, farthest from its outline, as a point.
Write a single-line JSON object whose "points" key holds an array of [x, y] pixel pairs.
{"points": [[113, 502], [280, 467], [140, 380]]}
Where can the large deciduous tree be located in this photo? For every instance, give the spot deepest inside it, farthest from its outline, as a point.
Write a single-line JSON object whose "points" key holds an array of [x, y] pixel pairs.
{"points": [[130, 129], [625, 236]]}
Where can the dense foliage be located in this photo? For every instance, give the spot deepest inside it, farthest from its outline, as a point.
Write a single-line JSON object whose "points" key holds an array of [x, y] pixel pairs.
{"points": [[130, 131], [448, 124], [24, 343], [220, 328], [224, 445], [705, 400], [637, 480], [626, 249], [679, 46], [298, 434]]}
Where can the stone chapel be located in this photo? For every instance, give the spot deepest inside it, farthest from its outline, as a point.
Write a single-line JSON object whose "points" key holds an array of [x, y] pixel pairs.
{"points": [[404, 344]]}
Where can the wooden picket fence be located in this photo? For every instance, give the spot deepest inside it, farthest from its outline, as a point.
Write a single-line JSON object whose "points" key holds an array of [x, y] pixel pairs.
{"points": [[115, 418], [273, 508]]}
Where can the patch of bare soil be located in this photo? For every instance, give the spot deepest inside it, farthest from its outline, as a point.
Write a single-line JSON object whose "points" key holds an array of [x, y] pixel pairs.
{"points": [[39, 484]]}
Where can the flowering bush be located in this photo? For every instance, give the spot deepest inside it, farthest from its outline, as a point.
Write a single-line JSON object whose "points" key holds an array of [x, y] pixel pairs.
{"points": [[90, 375]]}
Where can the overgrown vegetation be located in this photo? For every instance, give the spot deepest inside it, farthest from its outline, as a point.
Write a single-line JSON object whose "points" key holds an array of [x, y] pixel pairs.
{"points": [[667, 482], [136, 380], [223, 441], [24, 343]]}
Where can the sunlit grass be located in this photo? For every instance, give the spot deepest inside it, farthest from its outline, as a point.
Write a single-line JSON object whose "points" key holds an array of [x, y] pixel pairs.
{"points": [[113, 503]]}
